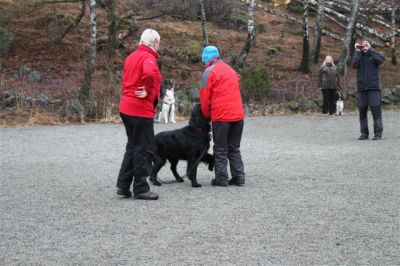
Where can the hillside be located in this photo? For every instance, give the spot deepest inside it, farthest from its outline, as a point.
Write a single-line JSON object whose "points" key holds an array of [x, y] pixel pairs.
{"points": [[61, 66]]}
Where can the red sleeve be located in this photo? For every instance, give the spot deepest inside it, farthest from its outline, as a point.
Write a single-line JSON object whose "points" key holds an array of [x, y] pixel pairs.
{"points": [[151, 78], [206, 94]]}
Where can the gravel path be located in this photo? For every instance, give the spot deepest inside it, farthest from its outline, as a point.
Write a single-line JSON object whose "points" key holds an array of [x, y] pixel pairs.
{"points": [[314, 195]]}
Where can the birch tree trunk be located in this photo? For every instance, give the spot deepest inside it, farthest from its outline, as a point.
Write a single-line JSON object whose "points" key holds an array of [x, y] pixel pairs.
{"points": [[251, 33], [112, 44], [204, 27], [87, 82], [393, 38], [347, 40], [318, 32], [305, 61]]}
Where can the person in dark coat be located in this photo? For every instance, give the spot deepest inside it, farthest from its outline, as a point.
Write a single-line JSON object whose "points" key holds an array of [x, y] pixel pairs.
{"points": [[141, 79], [328, 81], [367, 62], [221, 102]]}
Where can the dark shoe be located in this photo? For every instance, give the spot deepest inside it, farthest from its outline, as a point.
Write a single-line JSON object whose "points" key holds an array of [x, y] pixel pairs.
{"points": [[363, 137], [124, 193], [218, 183], [376, 137], [146, 196], [236, 182]]}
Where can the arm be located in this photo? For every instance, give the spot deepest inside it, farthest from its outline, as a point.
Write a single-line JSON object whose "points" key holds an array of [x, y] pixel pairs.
{"points": [[355, 62], [320, 78], [206, 93], [378, 57], [150, 78]]}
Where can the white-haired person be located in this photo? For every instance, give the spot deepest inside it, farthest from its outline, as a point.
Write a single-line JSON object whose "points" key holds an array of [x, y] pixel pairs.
{"points": [[141, 79], [328, 82]]}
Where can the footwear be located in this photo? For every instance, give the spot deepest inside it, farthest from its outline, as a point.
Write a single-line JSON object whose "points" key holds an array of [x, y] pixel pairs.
{"points": [[123, 192], [377, 137], [146, 196], [363, 137], [218, 183], [236, 182]]}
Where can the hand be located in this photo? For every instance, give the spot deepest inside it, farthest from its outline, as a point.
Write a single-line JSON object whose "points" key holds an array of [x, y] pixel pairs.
{"points": [[358, 47], [141, 93]]}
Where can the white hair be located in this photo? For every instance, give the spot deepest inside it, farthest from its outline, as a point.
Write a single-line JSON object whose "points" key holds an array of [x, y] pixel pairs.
{"points": [[149, 36]]}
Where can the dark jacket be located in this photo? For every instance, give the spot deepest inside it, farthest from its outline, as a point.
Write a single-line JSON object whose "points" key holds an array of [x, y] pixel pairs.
{"points": [[367, 65], [328, 77]]}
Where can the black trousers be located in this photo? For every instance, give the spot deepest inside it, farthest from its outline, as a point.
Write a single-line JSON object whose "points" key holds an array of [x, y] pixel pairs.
{"points": [[328, 101], [227, 137], [371, 99], [136, 164]]}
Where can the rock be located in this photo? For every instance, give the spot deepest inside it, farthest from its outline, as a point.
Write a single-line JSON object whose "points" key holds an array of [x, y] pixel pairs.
{"points": [[6, 40], [387, 96], [34, 77], [385, 100], [9, 98], [74, 111], [273, 109], [24, 70], [308, 106], [293, 106], [396, 91]]}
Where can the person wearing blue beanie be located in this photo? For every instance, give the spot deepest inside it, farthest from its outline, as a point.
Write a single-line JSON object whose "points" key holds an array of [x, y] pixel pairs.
{"points": [[221, 102], [209, 53]]}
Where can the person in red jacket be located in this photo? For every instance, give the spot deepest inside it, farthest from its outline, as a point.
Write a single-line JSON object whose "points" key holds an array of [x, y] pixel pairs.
{"points": [[141, 81], [221, 102]]}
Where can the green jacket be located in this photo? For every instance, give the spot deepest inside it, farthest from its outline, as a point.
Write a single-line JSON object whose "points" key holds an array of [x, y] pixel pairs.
{"points": [[328, 77]]}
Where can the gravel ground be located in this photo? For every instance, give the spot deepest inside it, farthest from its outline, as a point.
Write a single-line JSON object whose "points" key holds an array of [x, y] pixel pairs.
{"points": [[314, 195]]}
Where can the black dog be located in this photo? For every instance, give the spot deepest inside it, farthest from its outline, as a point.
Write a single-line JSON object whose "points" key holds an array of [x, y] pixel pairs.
{"points": [[190, 143]]}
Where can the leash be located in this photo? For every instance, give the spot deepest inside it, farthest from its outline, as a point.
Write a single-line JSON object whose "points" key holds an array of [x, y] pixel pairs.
{"points": [[188, 172]]}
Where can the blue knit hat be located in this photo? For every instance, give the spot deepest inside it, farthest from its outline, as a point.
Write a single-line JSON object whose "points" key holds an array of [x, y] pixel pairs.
{"points": [[209, 53]]}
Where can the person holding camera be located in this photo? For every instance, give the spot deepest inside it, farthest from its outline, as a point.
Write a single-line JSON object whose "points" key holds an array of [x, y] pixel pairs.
{"points": [[141, 79], [367, 62], [328, 81]]}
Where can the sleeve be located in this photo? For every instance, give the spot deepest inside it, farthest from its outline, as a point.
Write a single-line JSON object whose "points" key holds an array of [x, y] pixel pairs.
{"points": [[378, 57], [206, 93], [355, 62], [320, 78], [151, 78]]}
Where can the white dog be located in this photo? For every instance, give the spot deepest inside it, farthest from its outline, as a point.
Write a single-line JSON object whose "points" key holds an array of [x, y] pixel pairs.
{"points": [[168, 107], [339, 105]]}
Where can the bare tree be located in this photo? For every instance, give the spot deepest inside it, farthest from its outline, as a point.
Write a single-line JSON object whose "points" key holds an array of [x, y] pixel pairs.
{"points": [[305, 61], [251, 33], [318, 32], [112, 43], [90, 64], [204, 23], [347, 40], [393, 38], [75, 23]]}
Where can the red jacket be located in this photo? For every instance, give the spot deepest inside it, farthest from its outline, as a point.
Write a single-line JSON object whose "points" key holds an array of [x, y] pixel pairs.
{"points": [[220, 93], [140, 69]]}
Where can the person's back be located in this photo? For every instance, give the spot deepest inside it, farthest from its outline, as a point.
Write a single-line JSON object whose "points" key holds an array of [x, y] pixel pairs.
{"points": [[222, 82], [140, 72]]}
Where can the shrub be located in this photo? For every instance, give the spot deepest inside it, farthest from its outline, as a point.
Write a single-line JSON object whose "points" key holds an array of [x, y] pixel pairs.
{"points": [[261, 28], [255, 83]]}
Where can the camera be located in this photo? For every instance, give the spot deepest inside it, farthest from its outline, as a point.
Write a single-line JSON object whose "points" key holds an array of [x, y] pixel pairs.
{"points": [[359, 46]]}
